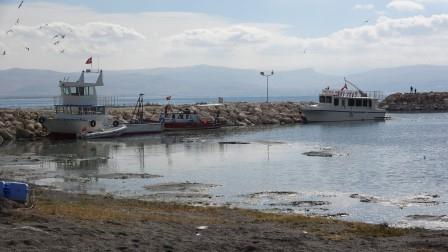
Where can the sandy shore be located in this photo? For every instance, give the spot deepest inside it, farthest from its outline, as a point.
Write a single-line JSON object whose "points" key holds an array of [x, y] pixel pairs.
{"points": [[60, 221]]}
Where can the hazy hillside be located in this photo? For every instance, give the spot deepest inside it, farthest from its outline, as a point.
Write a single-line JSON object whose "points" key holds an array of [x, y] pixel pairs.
{"points": [[208, 81]]}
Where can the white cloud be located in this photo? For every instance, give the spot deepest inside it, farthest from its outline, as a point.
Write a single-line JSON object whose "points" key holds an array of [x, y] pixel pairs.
{"points": [[404, 5], [222, 36], [170, 39], [364, 7]]}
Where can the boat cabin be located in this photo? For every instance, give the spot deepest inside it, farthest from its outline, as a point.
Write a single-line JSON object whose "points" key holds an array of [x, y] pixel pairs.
{"points": [[79, 97], [352, 99]]}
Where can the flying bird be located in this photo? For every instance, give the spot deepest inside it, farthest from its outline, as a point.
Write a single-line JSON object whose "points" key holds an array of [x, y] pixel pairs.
{"points": [[20, 5], [27, 48], [62, 51], [4, 52], [62, 36], [56, 36], [55, 43], [17, 21], [10, 30]]}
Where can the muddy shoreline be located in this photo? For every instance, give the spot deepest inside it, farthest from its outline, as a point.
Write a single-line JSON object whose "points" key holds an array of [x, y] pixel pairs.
{"points": [[61, 221]]}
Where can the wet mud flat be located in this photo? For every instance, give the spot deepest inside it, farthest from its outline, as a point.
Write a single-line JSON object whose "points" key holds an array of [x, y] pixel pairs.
{"points": [[59, 221]]}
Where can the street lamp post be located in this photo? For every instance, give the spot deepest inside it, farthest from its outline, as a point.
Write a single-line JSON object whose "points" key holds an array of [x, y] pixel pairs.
{"points": [[267, 83]]}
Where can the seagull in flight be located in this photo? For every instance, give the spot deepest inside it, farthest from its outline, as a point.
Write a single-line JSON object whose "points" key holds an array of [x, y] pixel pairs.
{"points": [[20, 5]]}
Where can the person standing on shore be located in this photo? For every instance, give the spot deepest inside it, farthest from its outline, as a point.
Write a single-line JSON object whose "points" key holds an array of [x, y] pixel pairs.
{"points": [[415, 90], [412, 89]]}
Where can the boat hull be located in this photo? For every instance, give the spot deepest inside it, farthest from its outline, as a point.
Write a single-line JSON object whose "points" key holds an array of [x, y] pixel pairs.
{"points": [[191, 126], [71, 127], [318, 115], [144, 128]]}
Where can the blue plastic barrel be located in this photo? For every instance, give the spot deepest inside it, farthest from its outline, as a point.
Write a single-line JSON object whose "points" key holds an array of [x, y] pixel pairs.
{"points": [[16, 191], [2, 188]]}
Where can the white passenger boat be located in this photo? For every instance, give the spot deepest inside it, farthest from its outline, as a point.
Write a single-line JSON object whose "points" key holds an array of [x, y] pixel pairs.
{"points": [[77, 110], [345, 105]]}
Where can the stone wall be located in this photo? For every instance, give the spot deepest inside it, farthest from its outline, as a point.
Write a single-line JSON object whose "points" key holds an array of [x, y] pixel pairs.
{"points": [[419, 102]]}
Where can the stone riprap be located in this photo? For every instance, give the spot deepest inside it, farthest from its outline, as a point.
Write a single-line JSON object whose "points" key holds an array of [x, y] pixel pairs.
{"points": [[231, 114], [24, 124], [419, 102], [20, 124]]}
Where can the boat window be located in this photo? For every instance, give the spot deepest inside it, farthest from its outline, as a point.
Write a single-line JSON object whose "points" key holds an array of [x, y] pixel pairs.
{"points": [[358, 103], [327, 99], [322, 99], [351, 102], [187, 116], [364, 103], [181, 116], [343, 102], [174, 116], [370, 103], [80, 91], [336, 101]]}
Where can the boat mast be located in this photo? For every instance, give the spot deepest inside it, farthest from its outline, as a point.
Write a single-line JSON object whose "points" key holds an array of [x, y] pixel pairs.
{"points": [[137, 115], [356, 87]]}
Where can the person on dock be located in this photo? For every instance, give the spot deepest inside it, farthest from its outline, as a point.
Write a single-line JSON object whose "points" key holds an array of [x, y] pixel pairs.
{"points": [[412, 89], [415, 90]]}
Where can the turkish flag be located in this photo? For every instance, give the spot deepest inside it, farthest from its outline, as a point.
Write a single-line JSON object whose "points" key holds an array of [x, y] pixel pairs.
{"points": [[89, 60]]}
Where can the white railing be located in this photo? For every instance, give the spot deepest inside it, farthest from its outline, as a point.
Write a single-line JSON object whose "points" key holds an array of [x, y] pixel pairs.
{"points": [[108, 101], [353, 93]]}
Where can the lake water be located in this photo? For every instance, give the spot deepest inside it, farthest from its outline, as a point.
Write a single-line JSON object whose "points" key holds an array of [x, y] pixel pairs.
{"points": [[394, 171]]}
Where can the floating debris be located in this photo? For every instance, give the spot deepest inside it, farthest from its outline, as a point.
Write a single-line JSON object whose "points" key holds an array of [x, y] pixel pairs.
{"points": [[234, 142], [318, 154]]}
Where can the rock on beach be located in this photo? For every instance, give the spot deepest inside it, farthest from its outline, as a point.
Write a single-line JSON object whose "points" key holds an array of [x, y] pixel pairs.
{"points": [[416, 102]]}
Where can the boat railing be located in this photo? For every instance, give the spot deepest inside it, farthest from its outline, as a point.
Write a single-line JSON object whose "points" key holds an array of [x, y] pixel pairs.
{"points": [[108, 101], [353, 93]]}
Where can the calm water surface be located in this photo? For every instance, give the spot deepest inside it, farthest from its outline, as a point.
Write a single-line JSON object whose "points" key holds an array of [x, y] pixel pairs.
{"points": [[399, 165]]}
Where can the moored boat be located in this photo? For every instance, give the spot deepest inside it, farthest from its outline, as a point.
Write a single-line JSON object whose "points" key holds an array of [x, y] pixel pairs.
{"points": [[77, 110], [187, 120], [138, 125], [345, 105]]}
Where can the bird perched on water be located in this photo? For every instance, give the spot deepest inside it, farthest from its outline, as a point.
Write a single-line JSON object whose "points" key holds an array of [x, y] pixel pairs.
{"points": [[62, 51], [42, 26], [27, 48], [17, 21], [56, 36], [20, 5], [56, 42], [4, 52]]}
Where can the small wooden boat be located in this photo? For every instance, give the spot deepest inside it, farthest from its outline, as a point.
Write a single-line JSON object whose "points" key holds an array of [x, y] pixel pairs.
{"points": [[138, 125], [105, 133]]}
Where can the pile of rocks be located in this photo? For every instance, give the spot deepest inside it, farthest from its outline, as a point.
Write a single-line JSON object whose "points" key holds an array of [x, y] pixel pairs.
{"points": [[419, 102], [19, 124], [232, 114]]}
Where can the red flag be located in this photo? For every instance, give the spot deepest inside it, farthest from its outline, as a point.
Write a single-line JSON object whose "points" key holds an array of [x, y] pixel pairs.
{"points": [[89, 60]]}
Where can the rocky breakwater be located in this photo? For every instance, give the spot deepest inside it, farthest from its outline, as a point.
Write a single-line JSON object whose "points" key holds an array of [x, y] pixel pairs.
{"points": [[419, 102], [231, 114], [19, 124]]}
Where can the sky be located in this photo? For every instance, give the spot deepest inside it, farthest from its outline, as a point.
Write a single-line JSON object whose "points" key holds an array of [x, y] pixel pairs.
{"points": [[335, 37]]}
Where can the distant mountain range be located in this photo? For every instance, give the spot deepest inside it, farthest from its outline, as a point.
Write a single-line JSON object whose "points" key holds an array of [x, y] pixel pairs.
{"points": [[210, 81]]}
